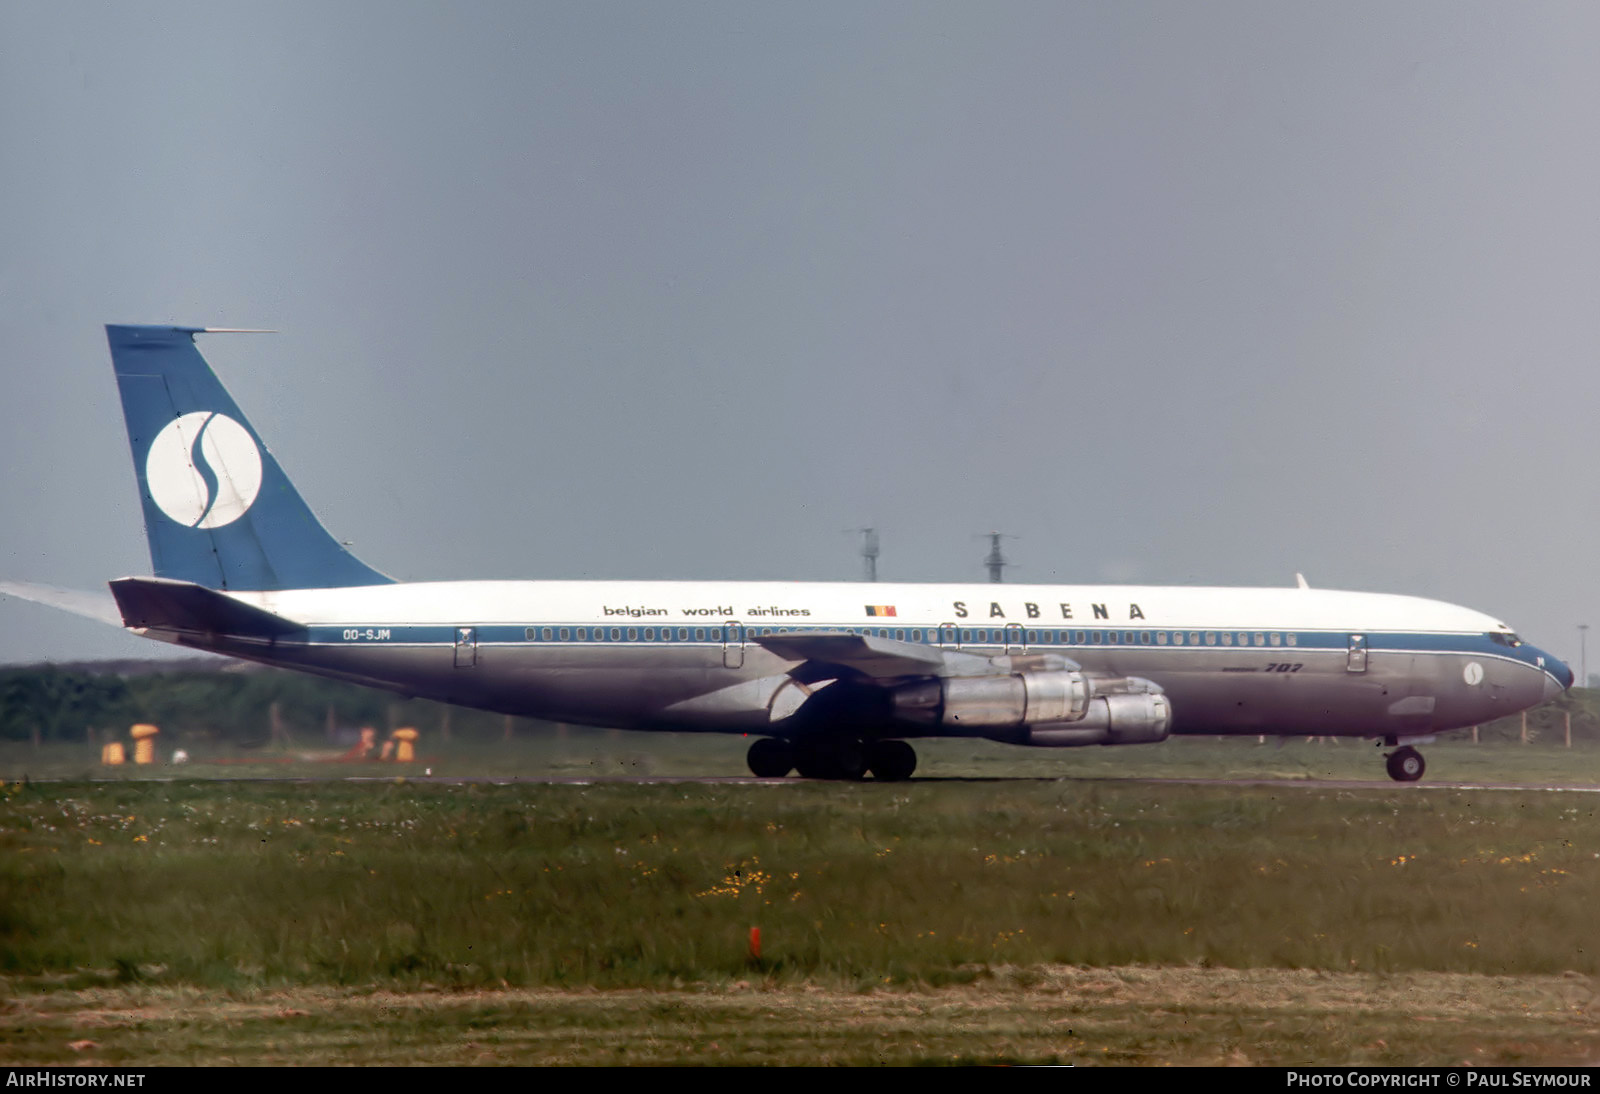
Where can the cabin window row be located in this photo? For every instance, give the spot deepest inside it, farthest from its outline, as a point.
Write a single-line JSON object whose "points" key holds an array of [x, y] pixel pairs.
{"points": [[981, 636]]}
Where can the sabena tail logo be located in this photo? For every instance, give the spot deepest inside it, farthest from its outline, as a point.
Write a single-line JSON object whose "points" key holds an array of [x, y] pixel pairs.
{"points": [[203, 470]]}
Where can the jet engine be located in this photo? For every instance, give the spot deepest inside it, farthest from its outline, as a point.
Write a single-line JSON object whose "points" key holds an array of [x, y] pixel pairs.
{"points": [[992, 702], [1052, 709], [1117, 719]]}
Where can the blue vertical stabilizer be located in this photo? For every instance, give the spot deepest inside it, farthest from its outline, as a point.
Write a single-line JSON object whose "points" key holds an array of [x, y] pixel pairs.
{"points": [[218, 510]]}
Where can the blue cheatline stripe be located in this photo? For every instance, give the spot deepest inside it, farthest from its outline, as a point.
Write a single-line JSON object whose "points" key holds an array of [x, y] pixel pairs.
{"points": [[1043, 638]]}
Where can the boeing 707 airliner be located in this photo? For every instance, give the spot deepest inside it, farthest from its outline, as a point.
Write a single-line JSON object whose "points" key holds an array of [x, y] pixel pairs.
{"points": [[832, 679]]}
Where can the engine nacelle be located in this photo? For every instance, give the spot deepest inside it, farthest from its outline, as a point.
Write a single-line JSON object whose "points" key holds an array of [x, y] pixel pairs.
{"points": [[979, 703], [1052, 708], [1127, 718]]}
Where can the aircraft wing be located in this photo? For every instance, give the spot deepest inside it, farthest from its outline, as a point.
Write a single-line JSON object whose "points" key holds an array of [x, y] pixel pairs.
{"points": [[97, 606], [162, 604], [873, 656]]}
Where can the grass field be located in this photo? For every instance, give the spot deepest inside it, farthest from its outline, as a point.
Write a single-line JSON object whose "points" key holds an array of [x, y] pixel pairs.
{"points": [[963, 919]]}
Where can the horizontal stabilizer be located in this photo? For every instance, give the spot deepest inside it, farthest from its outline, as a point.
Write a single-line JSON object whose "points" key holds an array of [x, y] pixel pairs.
{"points": [[98, 606], [874, 656], [155, 603]]}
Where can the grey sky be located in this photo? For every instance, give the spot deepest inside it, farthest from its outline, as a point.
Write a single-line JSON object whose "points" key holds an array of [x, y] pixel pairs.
{"points": [[1173, 292]]}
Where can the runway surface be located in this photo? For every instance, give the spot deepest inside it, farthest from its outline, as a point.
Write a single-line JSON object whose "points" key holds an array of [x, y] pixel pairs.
{"points": [[751, 780]]}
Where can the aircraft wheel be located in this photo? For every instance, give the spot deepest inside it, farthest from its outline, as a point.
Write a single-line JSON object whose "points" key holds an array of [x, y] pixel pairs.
{"points": [[831, 758], [810, 759], [1406, 765], [770, 758], [891, 761], [849, 759]]}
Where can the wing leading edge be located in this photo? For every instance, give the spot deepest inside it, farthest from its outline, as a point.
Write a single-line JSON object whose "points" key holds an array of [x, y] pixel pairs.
{"points": [[872, 656]]}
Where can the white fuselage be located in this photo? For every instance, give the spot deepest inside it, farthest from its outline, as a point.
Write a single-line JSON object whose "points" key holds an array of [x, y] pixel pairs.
{"points": [[688, 655]]}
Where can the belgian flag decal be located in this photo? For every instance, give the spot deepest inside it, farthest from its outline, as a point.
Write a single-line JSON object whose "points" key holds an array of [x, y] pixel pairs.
{"points": [[875, 611]]}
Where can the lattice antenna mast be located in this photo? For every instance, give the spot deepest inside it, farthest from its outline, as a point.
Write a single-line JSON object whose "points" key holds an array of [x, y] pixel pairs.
{"points": [[997, 561]]}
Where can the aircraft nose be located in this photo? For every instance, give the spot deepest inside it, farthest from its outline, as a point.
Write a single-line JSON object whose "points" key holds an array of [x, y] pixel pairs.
{"points": [[1558, 677]]}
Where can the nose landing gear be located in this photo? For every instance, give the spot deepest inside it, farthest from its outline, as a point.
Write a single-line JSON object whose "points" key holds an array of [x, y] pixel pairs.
{"points": [[1405, 765]]}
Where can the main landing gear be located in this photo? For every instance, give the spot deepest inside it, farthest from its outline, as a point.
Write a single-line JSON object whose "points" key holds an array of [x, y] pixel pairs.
{"points": [[1405, 765], [832, 756]]}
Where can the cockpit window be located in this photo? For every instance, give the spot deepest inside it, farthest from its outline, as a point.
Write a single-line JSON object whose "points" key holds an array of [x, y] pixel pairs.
{"points": [[1505, 639]]}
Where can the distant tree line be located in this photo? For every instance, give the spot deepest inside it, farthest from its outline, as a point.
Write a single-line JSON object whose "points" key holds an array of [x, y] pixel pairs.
{"points": [[238, 705], [241, 705]]}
